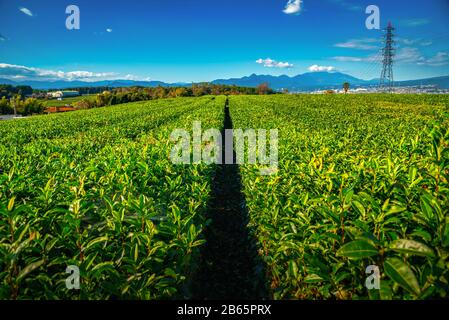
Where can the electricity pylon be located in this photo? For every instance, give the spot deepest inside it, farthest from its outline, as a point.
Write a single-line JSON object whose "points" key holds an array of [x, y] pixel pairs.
{"points": [[386, 77]]}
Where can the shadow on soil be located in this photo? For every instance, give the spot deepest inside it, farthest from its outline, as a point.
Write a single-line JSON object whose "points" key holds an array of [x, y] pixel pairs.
{"points": [[230, 267]]}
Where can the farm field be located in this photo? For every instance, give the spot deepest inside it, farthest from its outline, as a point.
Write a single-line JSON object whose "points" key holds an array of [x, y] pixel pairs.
{"points": [[96, 189], [67, 101], [362, 181]]}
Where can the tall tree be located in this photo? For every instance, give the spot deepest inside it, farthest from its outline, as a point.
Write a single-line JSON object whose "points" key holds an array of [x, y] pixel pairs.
{"points": [[263, 88], [346, 86]]}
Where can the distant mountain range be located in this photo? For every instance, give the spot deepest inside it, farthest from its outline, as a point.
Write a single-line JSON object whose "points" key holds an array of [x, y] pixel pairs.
{"points": [[323, 80], [302, 82], [45, 85], [306, 81]]}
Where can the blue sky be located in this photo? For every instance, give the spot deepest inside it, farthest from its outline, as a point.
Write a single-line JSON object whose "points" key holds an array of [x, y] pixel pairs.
{"points": [[202, 40]]}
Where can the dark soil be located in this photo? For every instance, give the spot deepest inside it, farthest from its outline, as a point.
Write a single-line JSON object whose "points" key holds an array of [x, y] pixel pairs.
{"points": [[229, 266]]}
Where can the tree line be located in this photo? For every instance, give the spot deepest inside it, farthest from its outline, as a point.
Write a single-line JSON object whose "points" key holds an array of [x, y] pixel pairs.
{"points": [[9, 91], [133, 94], [24, 107], [12, 96]]}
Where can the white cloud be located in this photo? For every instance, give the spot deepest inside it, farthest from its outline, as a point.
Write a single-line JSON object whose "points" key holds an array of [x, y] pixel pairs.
{"points": [[405, 55], [130, 77], [317, 68], [409, 55], [414, 56], [2, 38], [109, 30], [348, 59], [26, 11], [293, 7], [376, 44], [426, 43], [361, 44], [347, 5], [11, 71], [440, 59], [269, 63], [136, 78], [409, 42], [370, 58], [416, 22], [87, 75]]}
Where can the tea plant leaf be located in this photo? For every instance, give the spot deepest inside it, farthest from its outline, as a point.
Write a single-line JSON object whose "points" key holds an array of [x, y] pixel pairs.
{"points": [[313, 278], [11, 204], [95, 241], [358, 249], [412, 247], [29, 268], [385, 291], [401, 273]]}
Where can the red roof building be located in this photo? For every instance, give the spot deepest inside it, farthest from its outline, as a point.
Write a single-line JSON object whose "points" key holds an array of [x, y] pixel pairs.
{"points": [[58, 109]]}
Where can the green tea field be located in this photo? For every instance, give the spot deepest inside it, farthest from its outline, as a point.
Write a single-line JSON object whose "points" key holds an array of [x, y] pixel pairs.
{"points": [[362, 184]]}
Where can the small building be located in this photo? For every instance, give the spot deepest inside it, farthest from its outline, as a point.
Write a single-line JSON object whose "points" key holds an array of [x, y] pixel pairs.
{"points": [[63, 94], [58, 109]]}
